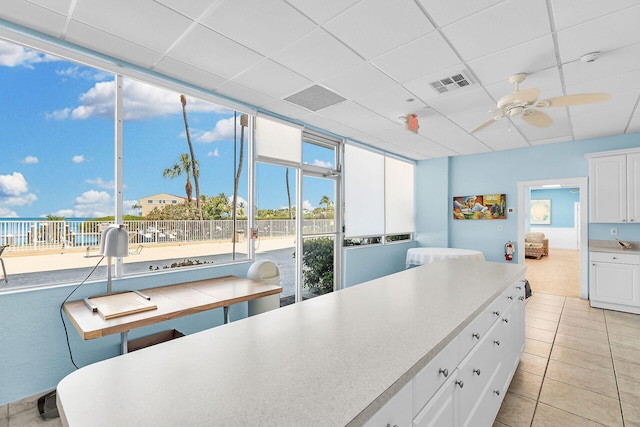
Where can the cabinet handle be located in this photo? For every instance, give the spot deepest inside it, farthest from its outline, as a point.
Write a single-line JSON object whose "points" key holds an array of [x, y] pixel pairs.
{"points": [[444, 372], [505, 320], [497, 313], [510, 297], [395, 425], [460, 383], [476, 335], [477, 372], [496, 392], [496, 342], [521, 298], [518, 287]]}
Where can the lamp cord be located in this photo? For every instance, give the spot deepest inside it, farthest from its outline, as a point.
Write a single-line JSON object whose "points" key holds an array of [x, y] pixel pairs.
{"points": [[66, 333]]}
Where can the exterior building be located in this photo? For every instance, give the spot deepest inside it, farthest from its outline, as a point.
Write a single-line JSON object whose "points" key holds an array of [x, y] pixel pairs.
{"points": [[159, 200]]}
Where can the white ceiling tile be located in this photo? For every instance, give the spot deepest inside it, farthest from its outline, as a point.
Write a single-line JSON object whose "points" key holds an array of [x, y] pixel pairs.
{"points": [[568, 13], [143, 22], [502, 139], [471, 99], [214, 53], [111, 45], [322, 11], [359, 81], [59, 6], [392, 103], [621, 29], [318, 56], [188, 73], [345, 112], [244, 94], [497, 28], [446, 12], [273, 79], [194, 9], [39, 18], [458, 140], [285, 109], [267, 26], [373, 27], [375, 124], [611, 65], [417, 58], [529, 57], [551, 140], [561, 128]]}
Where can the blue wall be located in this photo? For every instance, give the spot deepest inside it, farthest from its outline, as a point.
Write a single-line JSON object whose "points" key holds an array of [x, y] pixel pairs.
{"points": [[562, 206], [33, 349], [500, 172], [364, 263]]}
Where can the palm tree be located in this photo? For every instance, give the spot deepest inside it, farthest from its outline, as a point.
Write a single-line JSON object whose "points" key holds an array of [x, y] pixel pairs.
{"points": [[286, 177], [244, 121], [182, 166], [326, 201], [195, 170], [136, 207]]}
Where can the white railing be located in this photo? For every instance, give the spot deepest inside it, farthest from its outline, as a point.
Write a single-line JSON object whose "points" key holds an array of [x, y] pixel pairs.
{"points": [[39, 235]]}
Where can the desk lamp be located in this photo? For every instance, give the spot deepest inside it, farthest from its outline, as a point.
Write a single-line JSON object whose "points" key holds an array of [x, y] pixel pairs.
{"points": [[114, 243]]}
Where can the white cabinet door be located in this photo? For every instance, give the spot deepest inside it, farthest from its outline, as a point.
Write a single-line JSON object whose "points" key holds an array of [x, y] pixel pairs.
{"points": [[615, 283], [608, 189], [633, 187], [441, 409], [397, 411]]}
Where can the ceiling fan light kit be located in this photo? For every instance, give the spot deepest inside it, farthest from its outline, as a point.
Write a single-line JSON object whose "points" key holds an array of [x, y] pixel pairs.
{"points": [[525, 104]]}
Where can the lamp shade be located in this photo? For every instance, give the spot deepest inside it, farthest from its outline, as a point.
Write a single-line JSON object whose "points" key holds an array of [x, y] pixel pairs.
{"points": [[114, 242]]}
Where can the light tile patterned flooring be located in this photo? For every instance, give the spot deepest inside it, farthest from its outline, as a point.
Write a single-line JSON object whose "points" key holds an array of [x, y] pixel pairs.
{"points": [[581, 365]]}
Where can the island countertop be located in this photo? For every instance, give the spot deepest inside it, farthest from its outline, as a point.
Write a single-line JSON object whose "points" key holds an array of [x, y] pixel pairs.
{"points": [[328, 361]]}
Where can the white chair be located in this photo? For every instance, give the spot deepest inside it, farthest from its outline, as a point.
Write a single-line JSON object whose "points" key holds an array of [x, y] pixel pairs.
{"points": [[267, 272], [4, 271]]}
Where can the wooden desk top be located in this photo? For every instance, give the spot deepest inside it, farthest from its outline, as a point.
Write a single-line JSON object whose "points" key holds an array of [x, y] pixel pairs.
{"points": [[173, 301]]}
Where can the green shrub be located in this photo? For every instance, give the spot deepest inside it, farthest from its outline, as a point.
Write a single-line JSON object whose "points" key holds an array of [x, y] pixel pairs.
{"points": [[317, 265]]}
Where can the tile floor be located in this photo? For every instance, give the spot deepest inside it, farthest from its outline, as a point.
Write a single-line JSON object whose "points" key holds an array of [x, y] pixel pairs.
{"points": [[581, 365]]}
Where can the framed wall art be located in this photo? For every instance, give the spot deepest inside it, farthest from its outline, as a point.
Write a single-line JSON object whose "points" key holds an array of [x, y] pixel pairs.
{"points": [[486, 206], [540, 212]]}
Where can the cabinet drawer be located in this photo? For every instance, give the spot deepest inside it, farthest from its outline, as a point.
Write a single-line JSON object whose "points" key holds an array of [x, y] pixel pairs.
{"points": [[615, 258], [397, 411], [427, 382]]}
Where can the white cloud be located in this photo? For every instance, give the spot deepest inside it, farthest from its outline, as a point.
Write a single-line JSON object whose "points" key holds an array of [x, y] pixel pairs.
{"points": [[307, 206], [99, 182], [12, 55], [58, 114], [141, 101], [323, 164], [127, 207], [13, 185], [30, 160], [214, 153], [22, 200], [223, 130], [78, 158], [7, 213], [89, 204]]}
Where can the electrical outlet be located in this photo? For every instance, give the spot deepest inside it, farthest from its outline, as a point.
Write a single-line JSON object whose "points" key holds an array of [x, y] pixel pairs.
{"points": [[614, 231], [499, 228]]}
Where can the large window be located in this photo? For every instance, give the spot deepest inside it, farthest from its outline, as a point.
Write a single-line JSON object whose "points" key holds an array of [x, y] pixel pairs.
{"points": [[59, 177]]}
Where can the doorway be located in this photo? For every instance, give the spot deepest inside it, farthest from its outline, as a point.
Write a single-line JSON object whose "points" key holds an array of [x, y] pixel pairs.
{"points": [[524, 197]]}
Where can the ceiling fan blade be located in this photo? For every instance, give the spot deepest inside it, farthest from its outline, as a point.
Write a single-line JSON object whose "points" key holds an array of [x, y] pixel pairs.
{"points": [[487, 123], [537, 118], [580, 99]]}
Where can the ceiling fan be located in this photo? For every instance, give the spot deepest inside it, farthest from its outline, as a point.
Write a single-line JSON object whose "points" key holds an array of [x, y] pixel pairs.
{"points": [[525, 104]]}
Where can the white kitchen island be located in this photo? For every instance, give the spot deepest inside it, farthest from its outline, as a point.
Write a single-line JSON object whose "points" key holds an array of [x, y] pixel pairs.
{"points": [[339, 359]]}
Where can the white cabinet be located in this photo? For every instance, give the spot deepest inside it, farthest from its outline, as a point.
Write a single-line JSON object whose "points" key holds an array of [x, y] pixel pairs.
{"points": [[615, 281], [464, 384], [614, 187]]}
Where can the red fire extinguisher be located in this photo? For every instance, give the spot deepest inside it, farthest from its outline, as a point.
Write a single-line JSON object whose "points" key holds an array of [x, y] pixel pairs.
{"points": [[509, 250]]}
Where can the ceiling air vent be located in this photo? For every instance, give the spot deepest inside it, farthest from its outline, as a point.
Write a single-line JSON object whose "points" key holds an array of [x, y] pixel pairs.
{"points": [[448, 84], [315, 98]]}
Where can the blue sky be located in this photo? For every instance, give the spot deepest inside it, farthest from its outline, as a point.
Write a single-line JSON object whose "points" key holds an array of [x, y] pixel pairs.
{"points": [[58, 132]]}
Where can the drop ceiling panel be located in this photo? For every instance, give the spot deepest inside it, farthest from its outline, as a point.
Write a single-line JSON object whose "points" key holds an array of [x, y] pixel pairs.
{"points": [[458, 140], [568, 13], [417, 58], [446, 12], [502, 139], [359, 81], [588, 37], [190, 74], [561, 128], [38, 18], [373, 27], [619, 69], [244, 94], [528, 57], [143, 22], [322, 11], [498, 28], [318, 56], [392, 103], [267, 26], [273, 79], [470, 99], [194, 9], [80, 33], [214, 53], [59, 6]]}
